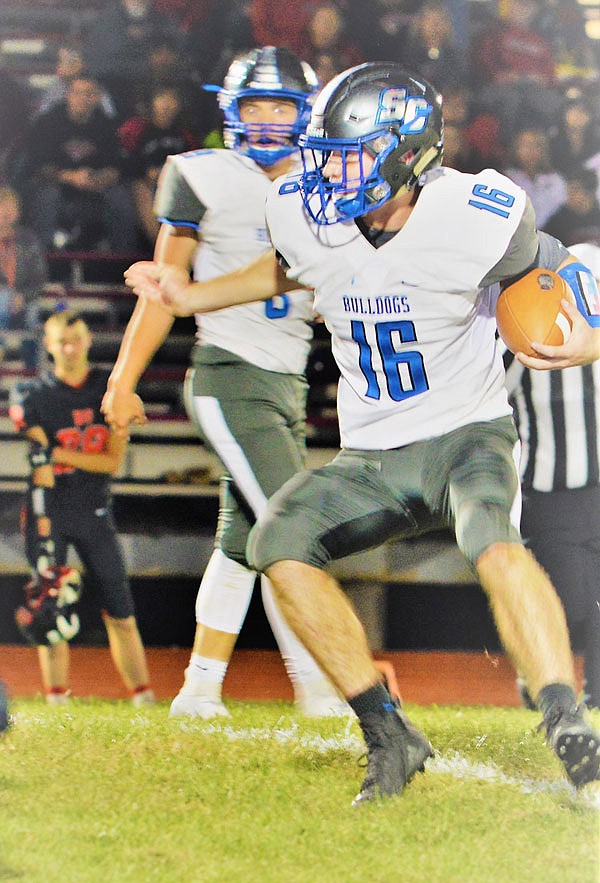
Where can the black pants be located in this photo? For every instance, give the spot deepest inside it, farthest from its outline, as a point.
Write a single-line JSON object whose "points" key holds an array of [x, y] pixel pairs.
{"points": [[562, 529], [93, 534]]}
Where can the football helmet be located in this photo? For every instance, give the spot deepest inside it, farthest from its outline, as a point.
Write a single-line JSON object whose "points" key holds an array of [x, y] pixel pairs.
{"points": [[48, 615], [376, 110], [270, 72]]}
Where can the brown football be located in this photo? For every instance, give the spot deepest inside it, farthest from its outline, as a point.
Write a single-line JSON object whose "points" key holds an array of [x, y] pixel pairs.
{"points": [[530, 310]]}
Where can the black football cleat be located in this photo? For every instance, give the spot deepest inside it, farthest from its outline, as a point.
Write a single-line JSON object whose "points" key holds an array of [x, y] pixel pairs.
{"points": [[396, 751], [576, 744]]}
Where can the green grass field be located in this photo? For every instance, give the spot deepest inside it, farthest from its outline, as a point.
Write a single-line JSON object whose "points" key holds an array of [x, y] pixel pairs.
{"points": [[98, 792]]}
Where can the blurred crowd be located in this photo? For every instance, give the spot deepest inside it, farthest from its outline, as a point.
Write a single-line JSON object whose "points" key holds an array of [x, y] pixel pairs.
{"points": [[80, 159]]}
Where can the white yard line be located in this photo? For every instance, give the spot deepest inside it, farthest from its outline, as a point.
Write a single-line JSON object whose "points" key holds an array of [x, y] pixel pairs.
{"points": [[452, 763]]}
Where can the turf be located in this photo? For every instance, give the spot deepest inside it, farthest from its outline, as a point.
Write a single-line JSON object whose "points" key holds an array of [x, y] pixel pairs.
{"points": [[98, 792]]}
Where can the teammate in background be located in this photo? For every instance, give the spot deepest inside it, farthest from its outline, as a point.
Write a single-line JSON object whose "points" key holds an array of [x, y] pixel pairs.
{"points": [[403, 255], [558, 419], [73, 456], [246, 389]]}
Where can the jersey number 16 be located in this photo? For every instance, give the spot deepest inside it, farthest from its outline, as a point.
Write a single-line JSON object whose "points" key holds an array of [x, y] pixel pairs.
{"points": [[404, 371]]}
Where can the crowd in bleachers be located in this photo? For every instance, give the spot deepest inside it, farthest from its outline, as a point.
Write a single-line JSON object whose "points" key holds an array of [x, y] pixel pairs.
{"points": [[92, 102]]}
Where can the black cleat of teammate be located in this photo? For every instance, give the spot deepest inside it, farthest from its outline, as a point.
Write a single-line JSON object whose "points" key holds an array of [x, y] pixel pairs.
{"points": [[576, 744], [396, 751]]}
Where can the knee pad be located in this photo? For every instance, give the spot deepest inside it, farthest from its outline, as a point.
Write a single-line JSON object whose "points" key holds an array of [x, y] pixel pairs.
{"points": [[224, 594]]}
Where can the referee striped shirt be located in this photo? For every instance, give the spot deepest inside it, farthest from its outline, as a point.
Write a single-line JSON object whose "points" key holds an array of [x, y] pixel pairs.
{"points": [[558, 419]]}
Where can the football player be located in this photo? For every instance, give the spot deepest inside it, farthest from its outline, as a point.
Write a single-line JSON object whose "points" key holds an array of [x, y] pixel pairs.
{"points": [[404, 257], [246, 389], [73, 455]]}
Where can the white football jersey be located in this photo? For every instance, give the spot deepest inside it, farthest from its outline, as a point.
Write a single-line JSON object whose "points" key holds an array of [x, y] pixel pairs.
{"points": [[413, 332], [230, 191]]}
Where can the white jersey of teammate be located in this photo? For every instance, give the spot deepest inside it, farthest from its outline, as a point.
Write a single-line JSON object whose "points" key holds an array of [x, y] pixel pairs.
{"points": [[222, 193], [413, 332]]}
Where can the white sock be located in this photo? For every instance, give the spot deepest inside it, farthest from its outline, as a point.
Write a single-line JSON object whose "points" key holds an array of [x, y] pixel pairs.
{"points": [[204, 676], [299, 664]]}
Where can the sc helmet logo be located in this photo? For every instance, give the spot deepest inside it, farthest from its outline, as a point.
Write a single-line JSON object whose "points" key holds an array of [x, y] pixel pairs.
{"points": [[396, 105]]}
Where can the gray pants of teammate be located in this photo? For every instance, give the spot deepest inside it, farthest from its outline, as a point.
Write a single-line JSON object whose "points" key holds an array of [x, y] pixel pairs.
{"points": [[466, 479], [254, 421]]}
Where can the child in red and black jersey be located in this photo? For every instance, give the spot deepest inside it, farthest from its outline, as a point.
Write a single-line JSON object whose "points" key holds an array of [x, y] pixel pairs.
{"points": [[73, 456]]}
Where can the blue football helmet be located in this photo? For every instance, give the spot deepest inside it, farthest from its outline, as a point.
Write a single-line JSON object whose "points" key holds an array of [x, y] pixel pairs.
{"points": [[268, 73], [375, 109]]}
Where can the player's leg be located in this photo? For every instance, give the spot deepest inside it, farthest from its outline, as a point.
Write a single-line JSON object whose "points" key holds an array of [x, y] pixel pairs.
{"points": [[221, 607], [54, 659], [293, 542], [98, 547], [561, 530], [254, 421], [551, 527], [528, 614], [129, 657], [54, 668], [314, 693], [483, 490]]}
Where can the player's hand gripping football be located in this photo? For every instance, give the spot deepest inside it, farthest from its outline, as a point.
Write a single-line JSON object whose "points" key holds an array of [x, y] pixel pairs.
{"points": [[582, 347], [163, 284]]}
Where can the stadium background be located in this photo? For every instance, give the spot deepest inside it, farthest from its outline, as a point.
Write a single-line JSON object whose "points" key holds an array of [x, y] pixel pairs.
{"points": [[416, 597]]}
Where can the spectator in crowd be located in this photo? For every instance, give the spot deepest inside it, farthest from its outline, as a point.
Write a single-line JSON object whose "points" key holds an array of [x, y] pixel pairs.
{"points": [[457, 152], [515, 66], [73, 457], [558, 418], [388, 23], [76, 196], [16, 107], [562, 24], [281, 24], [429, 46], [578, 220], [246, 389], [69, 64], [168, 64], [119, 42], [185, 13], [23, 274], [482, 128], [575, 135], [329, 50], [207, 40], [147, 142], [532, 170]]}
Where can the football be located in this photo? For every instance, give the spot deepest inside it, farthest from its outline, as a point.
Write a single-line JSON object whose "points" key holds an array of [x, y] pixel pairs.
{"points": [[530, 310]]}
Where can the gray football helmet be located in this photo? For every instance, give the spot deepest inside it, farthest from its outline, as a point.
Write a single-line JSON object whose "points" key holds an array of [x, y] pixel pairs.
{"points": [[378, 109], [270, 72]]}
